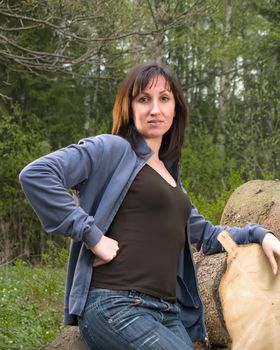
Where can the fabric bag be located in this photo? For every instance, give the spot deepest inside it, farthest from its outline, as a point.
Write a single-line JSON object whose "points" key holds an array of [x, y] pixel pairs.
{"points": [[250, 297]]}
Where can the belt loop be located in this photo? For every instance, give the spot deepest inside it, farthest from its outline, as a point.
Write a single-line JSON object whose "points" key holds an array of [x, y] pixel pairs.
{"points": [[132, 293]]}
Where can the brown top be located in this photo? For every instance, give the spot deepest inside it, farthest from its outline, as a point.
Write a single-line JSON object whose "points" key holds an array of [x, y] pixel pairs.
{"points": [[150, 229]]}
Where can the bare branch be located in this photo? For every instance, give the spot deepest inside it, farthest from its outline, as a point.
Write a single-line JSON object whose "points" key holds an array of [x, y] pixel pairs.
{"points": [[16, 29], [5, 98], [32, 19], [66, 31], [33, 52]]}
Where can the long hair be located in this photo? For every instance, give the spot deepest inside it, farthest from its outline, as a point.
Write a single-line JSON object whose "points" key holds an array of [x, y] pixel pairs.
{"points": [[133, 84]]}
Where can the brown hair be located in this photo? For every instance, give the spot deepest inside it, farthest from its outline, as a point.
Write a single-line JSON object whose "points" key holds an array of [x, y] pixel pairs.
{"points": [[132, 85]]}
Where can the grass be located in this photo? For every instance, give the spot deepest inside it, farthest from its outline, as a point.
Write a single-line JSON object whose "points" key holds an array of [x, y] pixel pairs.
{"points": [[31, 305]]}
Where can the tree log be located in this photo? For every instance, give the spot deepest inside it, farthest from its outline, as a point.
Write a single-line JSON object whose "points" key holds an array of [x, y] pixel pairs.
{"points": [[255, 201]]}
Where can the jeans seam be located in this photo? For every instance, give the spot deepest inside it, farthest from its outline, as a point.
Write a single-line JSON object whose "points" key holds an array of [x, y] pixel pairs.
{"points": [[82, 327]]}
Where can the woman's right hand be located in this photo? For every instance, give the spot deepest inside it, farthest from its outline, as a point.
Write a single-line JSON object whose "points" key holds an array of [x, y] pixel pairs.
{"points": [[105, 251]]}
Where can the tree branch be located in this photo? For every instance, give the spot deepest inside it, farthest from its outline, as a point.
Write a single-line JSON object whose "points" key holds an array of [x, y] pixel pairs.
{"points": [[5, 98]]}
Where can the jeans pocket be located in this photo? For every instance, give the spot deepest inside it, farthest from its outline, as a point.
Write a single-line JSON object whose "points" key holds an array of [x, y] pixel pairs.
{"points": [[116, 308]]}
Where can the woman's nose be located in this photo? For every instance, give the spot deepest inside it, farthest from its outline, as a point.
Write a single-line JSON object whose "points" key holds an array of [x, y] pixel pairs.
{"points": [[154, 108]]}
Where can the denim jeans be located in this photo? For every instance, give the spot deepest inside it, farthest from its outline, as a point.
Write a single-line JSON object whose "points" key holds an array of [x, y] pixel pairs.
{"points": [[120, 320]]}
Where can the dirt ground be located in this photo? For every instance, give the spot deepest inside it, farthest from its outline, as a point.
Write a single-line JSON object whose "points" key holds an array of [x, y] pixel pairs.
{"points": [[69, 339]]}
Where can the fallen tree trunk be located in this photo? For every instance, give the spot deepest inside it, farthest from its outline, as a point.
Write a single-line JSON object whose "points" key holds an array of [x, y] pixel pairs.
{"points": [[255, 201]]}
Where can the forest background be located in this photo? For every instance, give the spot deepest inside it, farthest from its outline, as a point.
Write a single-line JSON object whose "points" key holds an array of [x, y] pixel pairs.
{"points": [[61, 63]]}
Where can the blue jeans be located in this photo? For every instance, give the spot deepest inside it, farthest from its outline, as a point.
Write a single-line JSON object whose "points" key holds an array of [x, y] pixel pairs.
{"points": [[120, 320]]}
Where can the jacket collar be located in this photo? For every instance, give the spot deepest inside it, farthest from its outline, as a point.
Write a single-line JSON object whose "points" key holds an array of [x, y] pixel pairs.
{"points": [[145, 152], [142, 149]]}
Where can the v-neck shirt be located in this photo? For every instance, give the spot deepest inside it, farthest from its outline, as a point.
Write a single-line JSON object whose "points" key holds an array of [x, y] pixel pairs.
{"points": [[150, 229]]}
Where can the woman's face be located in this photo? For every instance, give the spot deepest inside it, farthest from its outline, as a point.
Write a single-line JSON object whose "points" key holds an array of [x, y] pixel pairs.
{"points": [[154, 109]]}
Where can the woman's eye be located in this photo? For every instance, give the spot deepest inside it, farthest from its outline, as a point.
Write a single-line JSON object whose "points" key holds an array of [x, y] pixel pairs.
{"points": [[143, 99], [165, 98]]}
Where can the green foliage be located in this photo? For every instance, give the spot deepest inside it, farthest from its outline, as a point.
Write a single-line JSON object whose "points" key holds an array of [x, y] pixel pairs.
{"points": [[55, 256], [205, 167], [208, 176], [20, 142], [31, 305], [212, 208], [62, 67]]}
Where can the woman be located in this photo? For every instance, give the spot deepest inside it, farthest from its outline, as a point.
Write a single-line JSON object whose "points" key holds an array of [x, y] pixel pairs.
{"points": [[131, 280]]}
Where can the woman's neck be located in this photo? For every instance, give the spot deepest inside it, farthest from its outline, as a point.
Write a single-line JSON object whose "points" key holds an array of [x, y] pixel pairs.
{"points": [[154, 145]]}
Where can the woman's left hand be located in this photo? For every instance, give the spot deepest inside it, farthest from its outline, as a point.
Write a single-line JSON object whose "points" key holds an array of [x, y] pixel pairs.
{"points": [[271, 247]]}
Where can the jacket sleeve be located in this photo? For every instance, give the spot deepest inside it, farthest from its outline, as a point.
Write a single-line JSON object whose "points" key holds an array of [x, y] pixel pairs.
{"points": [[46, 182], [204, 235]]}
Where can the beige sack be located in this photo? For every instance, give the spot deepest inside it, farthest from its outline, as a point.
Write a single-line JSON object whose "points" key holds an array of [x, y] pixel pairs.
{"points": [[250, 297]]}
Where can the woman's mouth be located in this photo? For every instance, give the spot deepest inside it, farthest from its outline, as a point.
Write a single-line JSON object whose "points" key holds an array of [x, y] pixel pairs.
{"points": [[155, 122]]}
